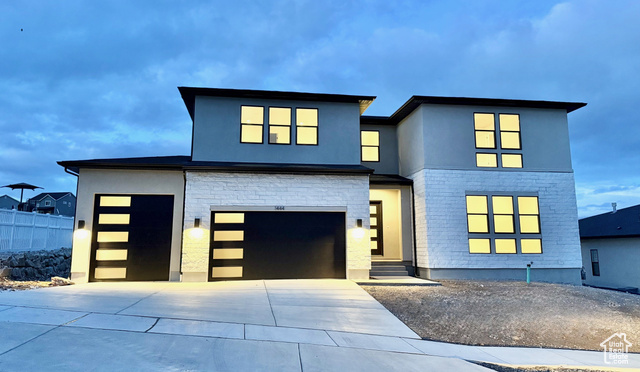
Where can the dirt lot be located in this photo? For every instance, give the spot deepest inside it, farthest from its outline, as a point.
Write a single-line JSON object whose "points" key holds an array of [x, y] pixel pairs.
{"points": [[514, 313]]}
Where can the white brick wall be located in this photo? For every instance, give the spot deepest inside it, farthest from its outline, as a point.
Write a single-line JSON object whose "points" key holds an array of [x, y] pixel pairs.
{"points": [[441, 226], [207, 189]]}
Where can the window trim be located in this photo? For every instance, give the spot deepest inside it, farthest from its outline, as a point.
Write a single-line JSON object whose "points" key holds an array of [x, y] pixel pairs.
{"points": [[269, 125], [254, 125], [495, 139], [317, 126], [595, 265], [517, 234], [363, 146]]}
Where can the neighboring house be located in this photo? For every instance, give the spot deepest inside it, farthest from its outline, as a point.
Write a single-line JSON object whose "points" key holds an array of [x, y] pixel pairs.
{"points": [[301, 185], [611, 249], [56, 203], [7, 202]]}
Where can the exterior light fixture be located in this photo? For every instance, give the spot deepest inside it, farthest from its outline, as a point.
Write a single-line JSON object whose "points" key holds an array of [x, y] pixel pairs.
{"points": [[358, 232], [196, 223], [196, 233], [81, 232], [81, 224]]}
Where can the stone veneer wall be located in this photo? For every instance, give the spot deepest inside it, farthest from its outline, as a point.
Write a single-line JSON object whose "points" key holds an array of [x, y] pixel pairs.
{"points": [[441, 225], [205, 190]]}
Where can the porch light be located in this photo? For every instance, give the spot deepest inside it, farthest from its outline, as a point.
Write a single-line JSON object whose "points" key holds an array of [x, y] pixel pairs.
{"points": [[196, 223], [196, 233]]}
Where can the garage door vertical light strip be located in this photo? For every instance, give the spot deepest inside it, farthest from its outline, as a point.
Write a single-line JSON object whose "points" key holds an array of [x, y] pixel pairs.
{"points": [[236, 253], [110, 255]]}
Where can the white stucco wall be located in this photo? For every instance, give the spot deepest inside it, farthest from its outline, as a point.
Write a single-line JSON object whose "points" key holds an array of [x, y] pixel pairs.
{"points": [[242, 191], [441, 225]]}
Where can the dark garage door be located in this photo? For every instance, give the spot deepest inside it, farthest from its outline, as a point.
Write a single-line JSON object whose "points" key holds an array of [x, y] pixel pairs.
{"points": [[277, 245], [131, 237]]}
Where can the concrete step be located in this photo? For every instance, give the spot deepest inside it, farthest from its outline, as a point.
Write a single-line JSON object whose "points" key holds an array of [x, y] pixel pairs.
{"points": [[388, 273], [388, 268]]}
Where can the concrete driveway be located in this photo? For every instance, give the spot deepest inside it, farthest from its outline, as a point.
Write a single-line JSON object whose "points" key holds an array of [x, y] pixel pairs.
{"points": [[271, 325]]}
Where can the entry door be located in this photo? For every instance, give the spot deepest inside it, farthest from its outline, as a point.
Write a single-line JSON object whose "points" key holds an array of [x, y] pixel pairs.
{"points": [[375, 211], [131, 237], [277, 245]]}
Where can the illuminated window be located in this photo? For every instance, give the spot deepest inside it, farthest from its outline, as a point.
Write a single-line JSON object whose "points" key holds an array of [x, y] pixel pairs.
{"points": [[503, 224], [477, 214], [280, 125], [485, 130], [306, 126], [503, 214], [500, 148], [251, 124], [370, 140]]}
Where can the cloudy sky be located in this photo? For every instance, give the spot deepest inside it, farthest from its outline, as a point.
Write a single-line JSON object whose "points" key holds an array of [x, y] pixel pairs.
{"points": [[93, 79]]}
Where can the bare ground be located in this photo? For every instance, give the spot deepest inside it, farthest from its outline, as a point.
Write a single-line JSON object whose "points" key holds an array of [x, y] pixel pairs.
{"points": [[514, 313], [14, 285]]}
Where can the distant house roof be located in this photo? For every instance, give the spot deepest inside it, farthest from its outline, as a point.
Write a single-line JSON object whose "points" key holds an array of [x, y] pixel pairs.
{"points": [[415, 101], [623, 223], [54, 195], [10, 197], [185, 163], [189, 96]]}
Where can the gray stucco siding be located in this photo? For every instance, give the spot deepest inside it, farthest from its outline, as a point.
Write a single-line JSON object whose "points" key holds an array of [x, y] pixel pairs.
{"points": [[450, 142], [619, 261], [411, 143], [216, 134], [388, 163]]}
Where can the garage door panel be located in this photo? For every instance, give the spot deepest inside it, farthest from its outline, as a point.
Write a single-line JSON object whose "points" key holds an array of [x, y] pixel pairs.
{"points": [[146, 239], [285, 245]]}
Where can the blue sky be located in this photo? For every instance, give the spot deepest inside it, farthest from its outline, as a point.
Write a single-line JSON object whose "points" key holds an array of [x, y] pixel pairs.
{"points": [[87, 79]]}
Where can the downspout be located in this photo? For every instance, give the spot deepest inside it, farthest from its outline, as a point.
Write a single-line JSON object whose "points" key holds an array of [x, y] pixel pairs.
{"points": [[415, 247], [184, 199], [75, 205]]}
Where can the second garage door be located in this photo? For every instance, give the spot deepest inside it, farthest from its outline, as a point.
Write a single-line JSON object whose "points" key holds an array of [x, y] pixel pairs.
{"points": [[277, 245]]}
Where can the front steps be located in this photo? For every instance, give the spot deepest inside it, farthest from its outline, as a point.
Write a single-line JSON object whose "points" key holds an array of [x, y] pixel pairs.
{"points": [[393, 268]]}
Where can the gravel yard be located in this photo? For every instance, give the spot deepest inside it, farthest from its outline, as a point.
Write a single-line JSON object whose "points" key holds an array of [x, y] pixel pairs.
{"points": [[514, 313]]}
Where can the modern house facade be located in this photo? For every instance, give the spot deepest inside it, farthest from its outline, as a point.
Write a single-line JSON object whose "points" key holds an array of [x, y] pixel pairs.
{"points": [[302, 185], [56, 203], [611, 249]]}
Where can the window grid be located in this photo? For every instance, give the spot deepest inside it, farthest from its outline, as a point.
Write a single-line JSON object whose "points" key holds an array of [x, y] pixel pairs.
{"points": [[280, 125], [507, 208], [307, 126], [251, 124], [370, 146], [502, 151]]}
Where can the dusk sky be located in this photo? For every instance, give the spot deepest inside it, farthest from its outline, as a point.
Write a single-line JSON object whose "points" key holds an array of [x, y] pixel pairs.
{"points": [[98, 79]]}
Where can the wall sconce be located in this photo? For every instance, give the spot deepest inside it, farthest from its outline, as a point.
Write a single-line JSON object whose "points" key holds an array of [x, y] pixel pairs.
{"points": [[81, 232], [358, 232], [196, 223], [196, 233]]}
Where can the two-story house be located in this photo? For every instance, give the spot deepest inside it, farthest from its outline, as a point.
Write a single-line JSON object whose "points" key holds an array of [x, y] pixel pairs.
{"points": [[301, 185], [56, 203]]}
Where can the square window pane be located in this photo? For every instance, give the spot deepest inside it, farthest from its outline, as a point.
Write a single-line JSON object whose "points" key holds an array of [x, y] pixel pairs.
{"points": [[370, 153], [370, 138], [229, 218], [503, 224], [510, 122], [478, 223], [252, 115], [531, 245], [279, 116], [479, 246], [529, 225], [372, 209], [510, 140], [373, 221], [484, 121], [485, 140], [502, 204], [279, 134], [505, 246], [307, 136], [511, 161], [487, 160], [307, 117], [477, 204], [528, 205], [251, 134], [373, 233]]}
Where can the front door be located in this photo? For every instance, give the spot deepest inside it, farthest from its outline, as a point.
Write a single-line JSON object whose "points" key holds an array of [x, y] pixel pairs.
{"points": [[375, 211]]}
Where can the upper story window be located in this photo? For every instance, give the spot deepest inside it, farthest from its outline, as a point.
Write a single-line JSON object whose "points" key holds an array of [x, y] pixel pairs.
{"points": [[502, 223], [306, 126], [503, 150], [280, 125], [251, 124], [370, 140]]}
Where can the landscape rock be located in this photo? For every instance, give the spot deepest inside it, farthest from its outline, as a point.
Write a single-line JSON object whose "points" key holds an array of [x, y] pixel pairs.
{"points": [[38, 265]]}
